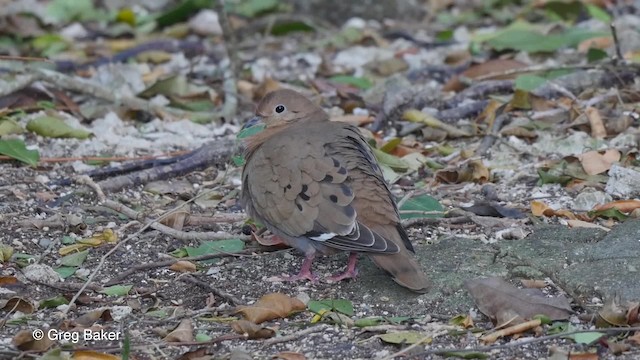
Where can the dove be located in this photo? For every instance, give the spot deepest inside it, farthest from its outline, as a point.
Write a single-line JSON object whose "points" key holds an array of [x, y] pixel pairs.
{"points": [[317, 185]]}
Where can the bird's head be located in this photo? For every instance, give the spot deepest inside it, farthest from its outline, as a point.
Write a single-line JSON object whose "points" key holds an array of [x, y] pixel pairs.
{"points": [[283, 107]]}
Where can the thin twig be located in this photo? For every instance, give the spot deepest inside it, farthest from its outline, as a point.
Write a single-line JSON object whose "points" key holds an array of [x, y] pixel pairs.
{"points": [[616, 42], [164, 263], [513, 344], [223, 294], [297, 335]]}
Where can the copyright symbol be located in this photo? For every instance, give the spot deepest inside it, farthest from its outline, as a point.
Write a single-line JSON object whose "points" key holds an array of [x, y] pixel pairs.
{"points": [[37, 334]]}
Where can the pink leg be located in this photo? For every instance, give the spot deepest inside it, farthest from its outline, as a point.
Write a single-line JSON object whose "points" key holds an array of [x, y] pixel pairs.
{"points": [[350, 273], [305, 271]]}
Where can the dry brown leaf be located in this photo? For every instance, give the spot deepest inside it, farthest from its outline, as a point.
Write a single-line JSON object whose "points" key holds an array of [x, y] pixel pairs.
{"points": [[518, 131], [473, 170], [182, 333], [252, 330], [625, 206], [602, 42], [93, 355], [612, 314], [635, 337], [91, 317], [633, 314], [183, 266], [489, 67], [24, 341], [533, 284], [538, 208], [289, 355], [597, 162], [598, 131], [271, 306], [574, 223], [17, 304], [267, 86], [496, 297]]}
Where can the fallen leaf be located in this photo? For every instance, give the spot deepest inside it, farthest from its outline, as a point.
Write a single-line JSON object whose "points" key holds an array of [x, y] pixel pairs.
{"points": [[93, 355], [17, 304], [598, 131], [24, 341], [406, 337], [252, 330], [496, 297], [289, 355], [597, 162], [183, 266], [625, 206], [584, 224], [182, 333], [271, 306]]}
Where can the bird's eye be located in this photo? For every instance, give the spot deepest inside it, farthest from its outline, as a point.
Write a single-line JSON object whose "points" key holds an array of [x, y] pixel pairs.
{"points": [[280, 109]]}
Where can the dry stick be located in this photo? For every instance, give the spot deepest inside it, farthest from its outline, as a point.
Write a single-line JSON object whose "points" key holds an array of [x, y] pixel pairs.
{"points": [[489, 139], [145, 346], [616, 42], [169, 262], [515, 329], [297, 335], [178, 234], [230, 85], [225, 295], [513, 344], [98, 158], [408, 348]]}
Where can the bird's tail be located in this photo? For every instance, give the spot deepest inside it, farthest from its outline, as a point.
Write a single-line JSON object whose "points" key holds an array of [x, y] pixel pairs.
{"points": [[402, 266], [404, 269]]}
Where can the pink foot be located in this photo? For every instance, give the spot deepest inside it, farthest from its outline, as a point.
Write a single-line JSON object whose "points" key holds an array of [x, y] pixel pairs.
{"points": [[305, 272], [350, 273]]}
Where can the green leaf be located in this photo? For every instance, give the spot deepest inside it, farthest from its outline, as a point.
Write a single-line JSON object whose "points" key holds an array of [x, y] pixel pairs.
{"points": [[250, 131], [9, 126], [16, 149], [337, 305], [280, 29], [444, 35], [253, 8], [127, 16], [390, 145], [53, 127], [377, 320], [66, 271], [422, 206], [392, 161], [159, 313], [597, 13], [523, 36], [611, 213], [594, 54], [359, 82], [529, 82], [75, 259], [202, 337], [24, 259], [215, 247], [62, 11], [586, 337], [53, 302], [117, 290], [238, 160], [182, 11]]}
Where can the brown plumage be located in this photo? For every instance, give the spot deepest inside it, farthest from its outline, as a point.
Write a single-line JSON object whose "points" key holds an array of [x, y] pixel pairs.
{"points": [[316, 184]]}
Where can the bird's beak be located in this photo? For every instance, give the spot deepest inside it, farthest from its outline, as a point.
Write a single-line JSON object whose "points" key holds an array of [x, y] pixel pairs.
{"points": [[253, 121]]}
